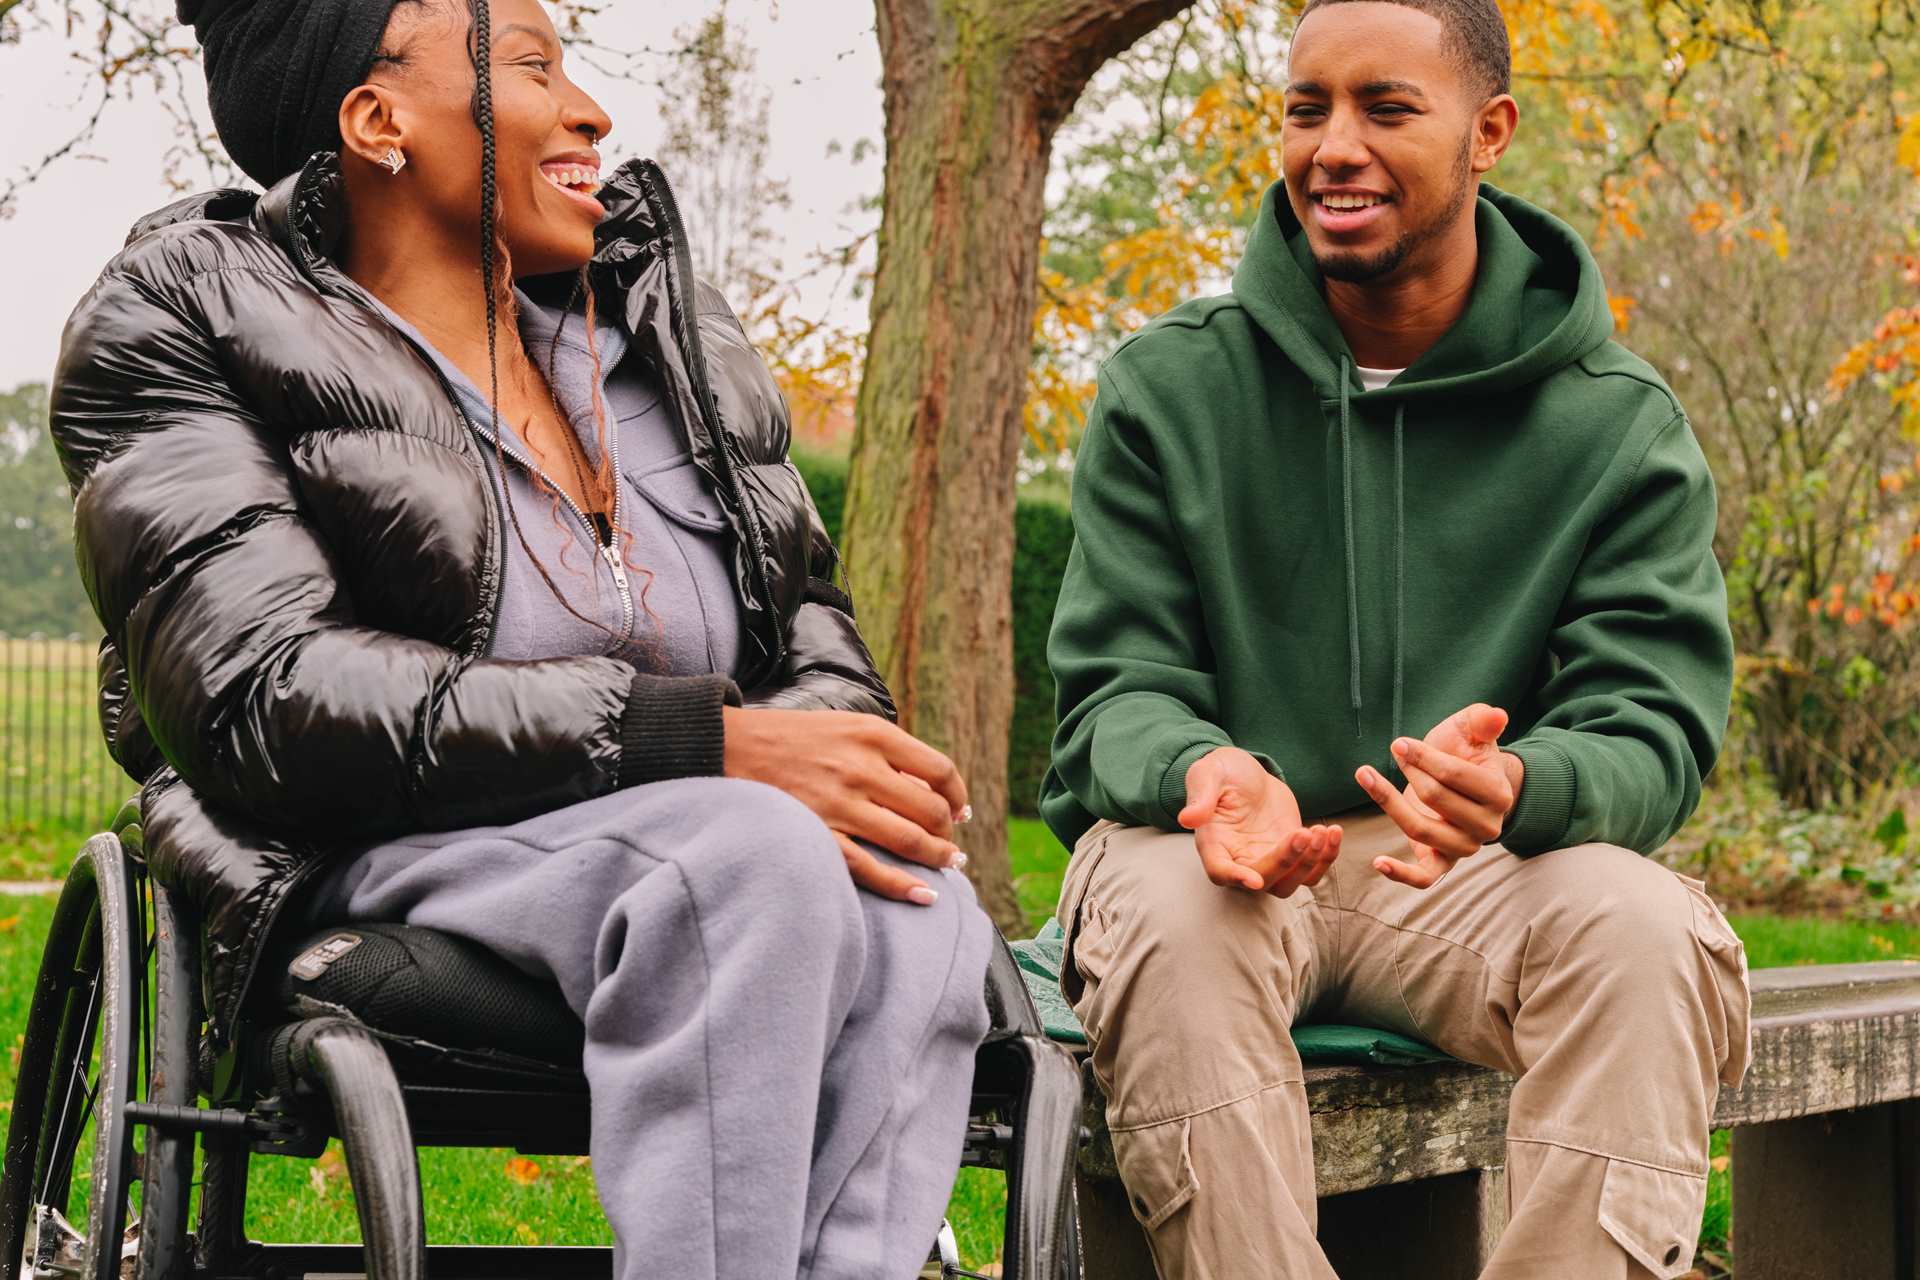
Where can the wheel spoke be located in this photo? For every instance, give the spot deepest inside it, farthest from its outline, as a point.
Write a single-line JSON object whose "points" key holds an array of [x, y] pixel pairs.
{"points": [[76, 1078]]}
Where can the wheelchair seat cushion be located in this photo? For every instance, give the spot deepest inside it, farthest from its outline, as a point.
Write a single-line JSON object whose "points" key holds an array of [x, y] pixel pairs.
{"points": [[424, 986]]}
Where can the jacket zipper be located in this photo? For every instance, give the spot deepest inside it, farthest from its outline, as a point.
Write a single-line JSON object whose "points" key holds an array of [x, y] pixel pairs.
{"points": [[680, 290], [597, 526]]}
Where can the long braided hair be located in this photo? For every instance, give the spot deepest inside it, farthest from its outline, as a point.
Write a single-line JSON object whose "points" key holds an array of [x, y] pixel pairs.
{"points": [[497, 279]]}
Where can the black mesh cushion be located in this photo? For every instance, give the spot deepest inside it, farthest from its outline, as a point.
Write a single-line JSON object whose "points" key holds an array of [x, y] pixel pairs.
{"points": [[420, 984]]}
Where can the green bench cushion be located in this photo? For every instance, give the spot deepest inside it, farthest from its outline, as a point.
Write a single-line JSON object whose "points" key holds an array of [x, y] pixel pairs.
{"points": [[1040, 959]]}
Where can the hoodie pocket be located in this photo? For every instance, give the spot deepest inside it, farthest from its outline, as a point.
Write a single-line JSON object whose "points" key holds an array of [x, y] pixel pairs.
{"points": [[1654, 1214]]}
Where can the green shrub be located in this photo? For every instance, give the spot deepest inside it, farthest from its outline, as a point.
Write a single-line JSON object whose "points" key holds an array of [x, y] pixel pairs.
{"points": [[1043, 534]]}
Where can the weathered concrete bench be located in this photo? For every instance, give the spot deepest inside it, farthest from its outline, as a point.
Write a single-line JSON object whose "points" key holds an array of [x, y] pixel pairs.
{"points": [[1826, 1148]]}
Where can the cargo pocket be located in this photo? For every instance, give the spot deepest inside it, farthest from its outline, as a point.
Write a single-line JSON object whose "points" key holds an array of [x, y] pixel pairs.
{"points": [[1071, 913], [1724, 959], [1654, 1214], [1156, 1167]]}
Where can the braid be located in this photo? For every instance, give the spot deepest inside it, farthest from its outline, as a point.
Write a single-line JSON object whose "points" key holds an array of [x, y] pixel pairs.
{"points": [[489, 196], [494, 280]]}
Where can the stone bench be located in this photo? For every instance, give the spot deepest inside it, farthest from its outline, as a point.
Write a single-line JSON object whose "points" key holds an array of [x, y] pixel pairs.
{"points": [[1826, 1148]]}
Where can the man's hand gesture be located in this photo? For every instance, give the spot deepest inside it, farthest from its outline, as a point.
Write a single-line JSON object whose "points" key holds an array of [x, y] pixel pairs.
{"points": [[1460, 788], [1246, 826]]}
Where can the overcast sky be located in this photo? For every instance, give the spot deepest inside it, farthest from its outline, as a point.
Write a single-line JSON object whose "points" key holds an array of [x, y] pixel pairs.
{"points": [[818, 58]]}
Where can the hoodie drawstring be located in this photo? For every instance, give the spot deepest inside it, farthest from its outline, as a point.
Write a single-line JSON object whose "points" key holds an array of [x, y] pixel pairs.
{"points": [[1399, 553], [1353, 586]]}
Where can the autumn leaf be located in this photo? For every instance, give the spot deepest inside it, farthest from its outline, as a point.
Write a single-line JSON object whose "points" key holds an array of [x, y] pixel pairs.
{"points": [[327, 1171], [1622, 308], [9, 924], [523, 1171]]}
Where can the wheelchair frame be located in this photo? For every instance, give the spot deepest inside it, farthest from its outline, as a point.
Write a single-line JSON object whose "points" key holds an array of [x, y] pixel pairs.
{"points": [[119, 976]]}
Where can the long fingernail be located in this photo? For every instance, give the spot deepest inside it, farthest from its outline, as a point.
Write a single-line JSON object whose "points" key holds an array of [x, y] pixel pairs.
{"points": [[966, 813], [922, 896], [957, 861]]}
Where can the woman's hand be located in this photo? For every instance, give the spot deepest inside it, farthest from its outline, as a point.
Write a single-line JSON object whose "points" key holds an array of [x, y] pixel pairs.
{"points": [[866, 778]]}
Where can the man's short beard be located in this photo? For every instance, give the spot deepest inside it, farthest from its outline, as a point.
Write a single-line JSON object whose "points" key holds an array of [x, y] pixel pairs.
{"points": [[1354, 268]]}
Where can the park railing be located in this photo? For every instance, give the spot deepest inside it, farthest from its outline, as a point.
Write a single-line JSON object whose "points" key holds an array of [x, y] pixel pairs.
{"points": [[55, 773]]}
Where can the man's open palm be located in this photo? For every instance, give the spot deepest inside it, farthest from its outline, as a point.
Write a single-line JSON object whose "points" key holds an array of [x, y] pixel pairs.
{"points": [[1247, 829]]}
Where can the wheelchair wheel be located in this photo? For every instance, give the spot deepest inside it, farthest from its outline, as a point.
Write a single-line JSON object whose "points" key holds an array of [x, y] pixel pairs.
{"points": [[67, 1202]]}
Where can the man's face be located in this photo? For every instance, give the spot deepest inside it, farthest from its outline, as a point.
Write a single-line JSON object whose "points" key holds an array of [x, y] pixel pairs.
{"points": [[1378, 143]]}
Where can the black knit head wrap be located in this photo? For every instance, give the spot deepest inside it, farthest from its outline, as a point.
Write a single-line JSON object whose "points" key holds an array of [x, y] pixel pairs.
{"points": [[277, 71]]}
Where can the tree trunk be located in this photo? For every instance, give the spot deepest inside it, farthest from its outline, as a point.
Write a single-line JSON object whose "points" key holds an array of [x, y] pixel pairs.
{"points": [[974, 92]]}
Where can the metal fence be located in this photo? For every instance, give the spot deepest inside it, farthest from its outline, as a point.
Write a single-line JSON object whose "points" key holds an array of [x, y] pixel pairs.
{"points": [[55, 772]]}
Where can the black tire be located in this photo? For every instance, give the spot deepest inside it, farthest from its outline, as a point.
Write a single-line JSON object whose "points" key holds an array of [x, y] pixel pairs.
{"points": [[166, 1163], [86, 1052]]}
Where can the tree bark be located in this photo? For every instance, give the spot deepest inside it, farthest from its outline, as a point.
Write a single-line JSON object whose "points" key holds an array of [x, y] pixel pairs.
{"points": [[974, 92]]}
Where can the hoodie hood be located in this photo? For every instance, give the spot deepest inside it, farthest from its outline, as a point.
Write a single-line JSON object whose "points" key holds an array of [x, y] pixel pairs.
{"points": [[1538, 304]]}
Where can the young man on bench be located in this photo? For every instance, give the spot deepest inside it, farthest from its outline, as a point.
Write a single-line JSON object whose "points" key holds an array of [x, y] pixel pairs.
{"points": [[1393, 536]]}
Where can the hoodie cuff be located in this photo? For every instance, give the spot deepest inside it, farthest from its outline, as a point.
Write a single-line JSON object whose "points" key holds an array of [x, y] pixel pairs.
{"points": [[673, 728], [1173, 783], [1544, 811]]}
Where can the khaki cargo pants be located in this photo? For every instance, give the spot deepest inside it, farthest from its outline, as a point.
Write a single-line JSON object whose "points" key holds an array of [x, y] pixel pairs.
{"points": [[1612, 987]]}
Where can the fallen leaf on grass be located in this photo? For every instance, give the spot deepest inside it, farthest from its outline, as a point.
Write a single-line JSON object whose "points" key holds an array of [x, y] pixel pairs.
{"points": [[1720, 1164], [523, 1171], [9, 923], [328, 1169]]}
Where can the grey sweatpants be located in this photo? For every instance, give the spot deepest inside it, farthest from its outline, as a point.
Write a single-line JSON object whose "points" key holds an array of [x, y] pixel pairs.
{"points": [[780, 1064]]}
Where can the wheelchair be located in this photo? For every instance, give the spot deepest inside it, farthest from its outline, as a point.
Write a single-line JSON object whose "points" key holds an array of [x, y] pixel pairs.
{"points": [[388, 1038]]}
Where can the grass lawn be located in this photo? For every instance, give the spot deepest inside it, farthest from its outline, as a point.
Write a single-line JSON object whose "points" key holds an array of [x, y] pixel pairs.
{"points": [[492, 1197]]}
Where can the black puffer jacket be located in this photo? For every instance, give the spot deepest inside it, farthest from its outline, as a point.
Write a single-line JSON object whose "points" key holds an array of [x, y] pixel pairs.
{"points": [[286, 528]]}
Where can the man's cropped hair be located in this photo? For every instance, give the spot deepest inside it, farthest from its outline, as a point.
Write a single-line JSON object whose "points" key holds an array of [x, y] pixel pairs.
{"points": [[1476, 37]]}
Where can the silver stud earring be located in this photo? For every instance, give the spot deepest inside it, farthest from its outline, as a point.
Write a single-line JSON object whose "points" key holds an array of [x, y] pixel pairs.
{"points": [[393, 160]]}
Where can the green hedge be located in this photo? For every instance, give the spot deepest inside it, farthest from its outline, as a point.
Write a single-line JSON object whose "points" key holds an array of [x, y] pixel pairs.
{"points": [[1043, 534]]}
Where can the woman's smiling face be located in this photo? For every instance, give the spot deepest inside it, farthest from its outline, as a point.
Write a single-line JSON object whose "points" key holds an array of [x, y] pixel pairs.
{"points": [[545, 128]]}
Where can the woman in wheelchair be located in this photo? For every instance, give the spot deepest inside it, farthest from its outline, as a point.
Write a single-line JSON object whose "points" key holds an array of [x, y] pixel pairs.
{"points": [[454, 574]]}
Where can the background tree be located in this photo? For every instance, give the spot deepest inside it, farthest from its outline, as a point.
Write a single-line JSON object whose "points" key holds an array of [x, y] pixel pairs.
{"points": [[716, 115], [39, 585], [975, 90]]}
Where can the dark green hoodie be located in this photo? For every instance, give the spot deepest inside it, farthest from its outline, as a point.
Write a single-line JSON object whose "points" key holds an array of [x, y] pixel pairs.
{"points": [[1269, 557]]}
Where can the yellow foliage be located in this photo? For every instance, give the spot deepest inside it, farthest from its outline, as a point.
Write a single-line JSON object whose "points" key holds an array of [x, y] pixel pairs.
{"points": [[1908, 149]]}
